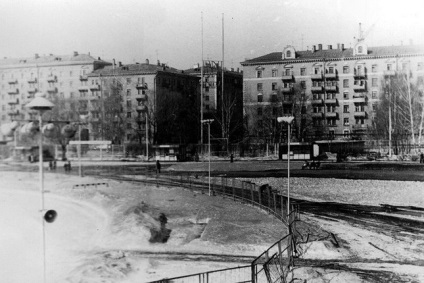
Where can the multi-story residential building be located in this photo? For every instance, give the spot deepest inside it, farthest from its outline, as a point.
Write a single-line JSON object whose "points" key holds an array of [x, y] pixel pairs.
{"points": [[340, 86], [146, 100], [60, 77], [232, 112]]}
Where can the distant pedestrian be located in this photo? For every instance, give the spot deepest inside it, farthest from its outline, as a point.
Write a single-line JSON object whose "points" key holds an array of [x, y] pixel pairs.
{"points": [[157, 167], [422, 157]]}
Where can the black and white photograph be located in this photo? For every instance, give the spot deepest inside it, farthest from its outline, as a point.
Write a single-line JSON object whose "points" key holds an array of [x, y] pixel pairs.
{"points": [[195, 141]]}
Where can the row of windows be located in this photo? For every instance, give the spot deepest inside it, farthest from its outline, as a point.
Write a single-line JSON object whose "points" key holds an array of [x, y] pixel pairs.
{"points": [[316, 109], [317, 96], [359, 69]]}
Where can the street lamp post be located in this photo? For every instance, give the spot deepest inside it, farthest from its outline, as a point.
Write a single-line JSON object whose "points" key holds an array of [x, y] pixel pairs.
{"points": [[41, 104], [209, 121], [287, 120]]}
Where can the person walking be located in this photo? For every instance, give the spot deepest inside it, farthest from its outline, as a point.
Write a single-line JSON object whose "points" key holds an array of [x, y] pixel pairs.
{"points": [[157, 167], [422, 157]]}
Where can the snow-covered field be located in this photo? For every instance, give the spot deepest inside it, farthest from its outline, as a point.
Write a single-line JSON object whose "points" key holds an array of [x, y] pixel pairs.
{"points": [[104, 234]]}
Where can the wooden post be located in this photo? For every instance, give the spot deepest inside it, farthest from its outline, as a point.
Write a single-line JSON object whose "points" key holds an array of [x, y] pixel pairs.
{"points": [[251, 191], [260, 195], [234, 190]]}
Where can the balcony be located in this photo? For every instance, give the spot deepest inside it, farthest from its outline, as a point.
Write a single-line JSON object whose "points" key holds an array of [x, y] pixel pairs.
{"points": [[140, 119], [13, 112], [317, 88], [141, 86], [331, 88], [32, 90], [141, 108], [14, 101], [287, 101], [332, 125], [316, 76], [359, 99], [12, 81], [83, 77], [13, 91], [317, 115], [141, 97], [52, 89], [51, 79], [288, 76], [360, 87], [287, 89], [361, 114], [32, 80], [331, 76], [83, 88], [331, 101], [359, 75], [95, 87], [331, 115], [317, 101]]}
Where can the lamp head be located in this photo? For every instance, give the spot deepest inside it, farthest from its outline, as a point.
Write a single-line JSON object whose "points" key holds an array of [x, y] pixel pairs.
{"points": [[40, 103], [287, 119]]}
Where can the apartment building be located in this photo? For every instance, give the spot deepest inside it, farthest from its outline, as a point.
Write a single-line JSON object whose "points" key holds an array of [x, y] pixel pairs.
{"points": [[156, 101], [212, 97], [57, 76], [341, 86]]}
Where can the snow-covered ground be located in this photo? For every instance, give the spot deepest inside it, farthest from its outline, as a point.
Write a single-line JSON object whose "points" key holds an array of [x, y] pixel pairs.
{"points": [[104, 234]]}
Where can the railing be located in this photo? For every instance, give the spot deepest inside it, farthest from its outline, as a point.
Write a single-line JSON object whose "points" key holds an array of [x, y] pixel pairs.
{"points": [[228, 275], [273, 263]]}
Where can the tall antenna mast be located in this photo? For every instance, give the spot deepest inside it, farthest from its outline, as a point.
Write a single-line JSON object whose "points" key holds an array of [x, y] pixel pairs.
{"points": [[201, 89]]}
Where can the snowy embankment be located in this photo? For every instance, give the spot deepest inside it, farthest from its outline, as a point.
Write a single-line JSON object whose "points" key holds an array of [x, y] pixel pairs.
{"points": [[117, 233]]}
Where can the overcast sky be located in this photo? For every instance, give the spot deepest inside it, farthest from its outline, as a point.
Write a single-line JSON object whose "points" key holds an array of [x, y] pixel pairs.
{"points": [[170, 30]]}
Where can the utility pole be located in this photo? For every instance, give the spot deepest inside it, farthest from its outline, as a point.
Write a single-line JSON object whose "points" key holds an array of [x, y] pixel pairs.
{"points": [[201, 90], [222, 80]]}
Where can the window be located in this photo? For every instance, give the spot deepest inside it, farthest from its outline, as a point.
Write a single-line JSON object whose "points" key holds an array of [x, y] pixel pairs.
{"points": [[346, 83], [331, 70], [374, 82], [128, 103], [331, 122], [287, 72], [128, 92], [359, 121], [260, 111], [303, 84], [345, 69], [359, 108], [404, 66], [129, 126], [359, 49], [274, 86], [345, 108], [303, 71], [374, 107], [374, 94], [274, 73], [346, 121], [128, 80], [207, 98], [389, 67], [316, 70], [346, 133], [260, 98], [374, 68], [61, 95], [82, 93], [207, 107], [331, 108], [288, 54], [259, 74], [259, 87], [128, 114]]}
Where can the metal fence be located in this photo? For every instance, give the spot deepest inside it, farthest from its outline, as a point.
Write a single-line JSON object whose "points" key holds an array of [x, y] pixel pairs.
{"points": [[273, 265]]}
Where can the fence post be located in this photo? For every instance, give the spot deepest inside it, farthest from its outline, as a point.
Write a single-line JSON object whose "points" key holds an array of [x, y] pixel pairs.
{"points": [[260, 195], [251, 191], [275, 203], [242, 190], [234, 190], [269, 197]]}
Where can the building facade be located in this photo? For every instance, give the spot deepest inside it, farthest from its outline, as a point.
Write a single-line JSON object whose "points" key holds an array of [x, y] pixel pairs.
{"points": [[60, 77], [227, 108], [338, 88], [152, 101]]}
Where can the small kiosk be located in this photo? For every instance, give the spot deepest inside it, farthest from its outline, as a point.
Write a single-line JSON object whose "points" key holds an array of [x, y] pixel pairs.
{"points": [[169, 152]]}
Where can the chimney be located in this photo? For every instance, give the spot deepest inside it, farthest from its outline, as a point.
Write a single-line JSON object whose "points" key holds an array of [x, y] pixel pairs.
{"points": [[238, 70], [342, 46], [147, 61], [320, 46], [37, 56], [75, 53], [232, 69], [114, 63], [120, 64], [330, 47], [98, 58], [411, 42], [158, 63], [338, 46], [314, 48]]}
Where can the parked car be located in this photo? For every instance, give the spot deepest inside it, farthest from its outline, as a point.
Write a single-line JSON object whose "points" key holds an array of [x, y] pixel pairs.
{"points": [[373, 155], [47, 156]]}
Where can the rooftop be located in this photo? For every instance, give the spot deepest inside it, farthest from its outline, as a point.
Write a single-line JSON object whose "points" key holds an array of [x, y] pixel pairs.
{"points": [[334, 54], [51, 59], [134, 69]]}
